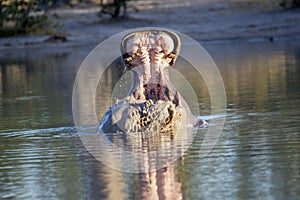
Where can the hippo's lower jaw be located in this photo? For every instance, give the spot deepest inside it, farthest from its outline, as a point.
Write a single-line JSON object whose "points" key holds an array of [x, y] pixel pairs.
{"points": [[153, 104], [142, 116]]}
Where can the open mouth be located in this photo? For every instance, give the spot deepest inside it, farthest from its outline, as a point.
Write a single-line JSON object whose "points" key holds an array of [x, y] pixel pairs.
{"points": [[153, 104], [150, 54]]}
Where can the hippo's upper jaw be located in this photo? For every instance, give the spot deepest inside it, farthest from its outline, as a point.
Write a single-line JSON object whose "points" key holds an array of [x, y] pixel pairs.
{"points": [[149, 54], [153, 104]]}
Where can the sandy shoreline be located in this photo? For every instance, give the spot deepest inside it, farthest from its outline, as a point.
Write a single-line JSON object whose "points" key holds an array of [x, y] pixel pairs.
{"points": [[213, 22]]}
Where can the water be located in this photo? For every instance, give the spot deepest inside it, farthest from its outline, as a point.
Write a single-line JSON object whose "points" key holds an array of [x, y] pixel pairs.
{"points": [[257, 155]]}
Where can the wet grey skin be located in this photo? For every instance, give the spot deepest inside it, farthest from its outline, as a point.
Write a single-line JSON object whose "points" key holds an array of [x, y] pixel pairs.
{"points": [[153, 104]]}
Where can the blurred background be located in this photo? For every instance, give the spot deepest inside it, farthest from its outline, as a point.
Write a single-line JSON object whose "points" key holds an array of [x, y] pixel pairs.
{"points": [[255, 45]]}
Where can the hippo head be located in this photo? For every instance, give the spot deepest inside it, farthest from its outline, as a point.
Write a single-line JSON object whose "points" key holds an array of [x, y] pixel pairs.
{"points": [[150, 54], [153, 103]]}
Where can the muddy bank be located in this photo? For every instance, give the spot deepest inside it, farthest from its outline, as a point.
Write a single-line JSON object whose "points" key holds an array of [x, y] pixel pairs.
{"points": [[213, 21]]}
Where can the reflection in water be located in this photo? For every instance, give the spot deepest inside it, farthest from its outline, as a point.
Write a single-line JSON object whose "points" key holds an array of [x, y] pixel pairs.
{"points": [[161, 184], [257, 155], [35, 91]]}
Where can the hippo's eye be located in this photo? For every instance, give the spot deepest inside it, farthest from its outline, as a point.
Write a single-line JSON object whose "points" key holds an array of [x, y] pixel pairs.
{"points": [[171, 56], [128, 59]]}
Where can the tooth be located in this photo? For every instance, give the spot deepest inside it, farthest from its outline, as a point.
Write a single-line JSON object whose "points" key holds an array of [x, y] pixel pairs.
{"points": [[132, 97], [152, 41], [128, 45], [158, 43], [167, 43], [135, 48]]}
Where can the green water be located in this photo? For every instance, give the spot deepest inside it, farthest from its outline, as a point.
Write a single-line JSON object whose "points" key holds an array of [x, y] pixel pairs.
{"points": [[257, 155]]}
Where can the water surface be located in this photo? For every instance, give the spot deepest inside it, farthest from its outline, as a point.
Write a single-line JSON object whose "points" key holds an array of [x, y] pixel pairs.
{"points": [[256, 156]]}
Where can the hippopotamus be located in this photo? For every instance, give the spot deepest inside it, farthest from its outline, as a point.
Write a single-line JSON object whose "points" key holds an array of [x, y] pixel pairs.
{"points": [[153, 104]]}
